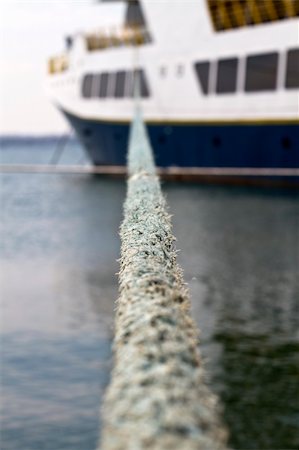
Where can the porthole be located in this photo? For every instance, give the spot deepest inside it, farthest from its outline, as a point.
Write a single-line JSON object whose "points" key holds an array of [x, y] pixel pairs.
{"points": [[286, 142], [87, 132], [162, 139], [216, 141]]}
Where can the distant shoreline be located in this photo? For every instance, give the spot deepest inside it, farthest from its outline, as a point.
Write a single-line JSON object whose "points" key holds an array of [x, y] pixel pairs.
{"points": [[33, 139]]}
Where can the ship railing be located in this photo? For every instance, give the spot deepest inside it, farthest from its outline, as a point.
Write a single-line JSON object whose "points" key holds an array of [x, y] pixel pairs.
{"points": [[117, 37], [58, 64], [230, 14]]}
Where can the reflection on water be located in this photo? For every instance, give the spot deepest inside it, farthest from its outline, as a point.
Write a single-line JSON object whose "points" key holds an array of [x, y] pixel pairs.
{"points": [[58, 262], [260, 384], [239, 251], [51, 388]]}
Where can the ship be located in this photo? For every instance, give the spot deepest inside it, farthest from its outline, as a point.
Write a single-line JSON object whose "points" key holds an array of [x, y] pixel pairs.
{"points": [[218, 85]]}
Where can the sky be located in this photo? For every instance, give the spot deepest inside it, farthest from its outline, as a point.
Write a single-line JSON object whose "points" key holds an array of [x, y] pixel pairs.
{"points": [[31, 32]]}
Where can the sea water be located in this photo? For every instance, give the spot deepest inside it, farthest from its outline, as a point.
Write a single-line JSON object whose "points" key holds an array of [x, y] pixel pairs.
{"points": [[59, 249]]}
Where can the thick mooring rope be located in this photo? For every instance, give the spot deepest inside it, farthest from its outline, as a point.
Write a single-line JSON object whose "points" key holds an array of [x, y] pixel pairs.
{"points": [[157, 398]]}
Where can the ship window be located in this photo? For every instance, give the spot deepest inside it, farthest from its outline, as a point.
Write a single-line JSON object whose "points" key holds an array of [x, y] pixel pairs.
{"points": [[129, 85], [129, 90], [96, 81], [202, 70], [103, 85], [227, 75], [86, 86], [180, 70], [292, 77], [111, 84], [261, 72], [163, 71], [120, 84], [134, 14], [143, 86]]}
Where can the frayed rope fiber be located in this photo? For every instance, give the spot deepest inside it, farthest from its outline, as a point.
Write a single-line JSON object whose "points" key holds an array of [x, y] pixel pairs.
{"points": [[157, 398]]}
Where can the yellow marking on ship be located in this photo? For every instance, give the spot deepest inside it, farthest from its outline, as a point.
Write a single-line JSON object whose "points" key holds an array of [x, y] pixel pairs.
{"points": [[183, 122]]}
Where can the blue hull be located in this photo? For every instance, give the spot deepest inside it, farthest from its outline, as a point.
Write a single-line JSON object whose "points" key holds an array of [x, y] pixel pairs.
{"points": [[201, 145]]}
